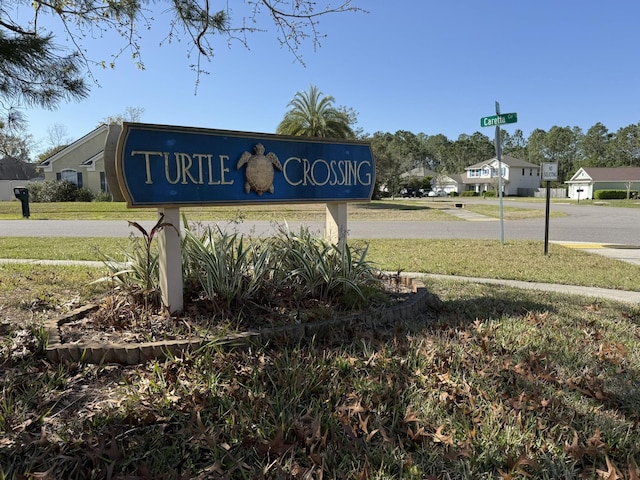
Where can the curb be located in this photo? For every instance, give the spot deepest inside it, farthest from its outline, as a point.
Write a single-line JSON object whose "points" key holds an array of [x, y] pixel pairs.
{"points": [[138, 353]]}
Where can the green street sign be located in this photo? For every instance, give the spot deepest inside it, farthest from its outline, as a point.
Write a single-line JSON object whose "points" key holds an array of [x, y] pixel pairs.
{"points": [[498, 119]]}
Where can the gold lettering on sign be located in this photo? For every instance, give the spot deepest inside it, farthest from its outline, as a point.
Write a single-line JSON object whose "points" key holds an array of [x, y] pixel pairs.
{"points": [[166, 168], [184, 168], [147, 162], [223, 170], [321, 172]]}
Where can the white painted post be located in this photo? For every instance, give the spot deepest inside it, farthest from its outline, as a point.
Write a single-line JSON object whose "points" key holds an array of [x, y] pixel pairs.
{"points": [[170, 261], [336, 223]]}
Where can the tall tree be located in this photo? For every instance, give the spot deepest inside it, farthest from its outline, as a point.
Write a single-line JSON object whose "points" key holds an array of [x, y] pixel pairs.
{"points": [[470, 149], [437, 149], [625, 146], [595, 146], [514, 144], [411, 147], [561, 146], [58, 136], [34, 70], [16, 145], [391, 161], [313, 115], [536, 146]]}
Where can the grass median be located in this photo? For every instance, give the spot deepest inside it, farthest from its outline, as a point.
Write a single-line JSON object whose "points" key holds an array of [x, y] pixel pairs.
{"points": [[515, 260]]}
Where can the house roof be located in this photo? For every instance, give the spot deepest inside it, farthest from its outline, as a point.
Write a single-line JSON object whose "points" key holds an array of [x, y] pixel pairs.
{"points": [[89, 161], [61, 153], [14, 169], [419, 172], [613, 174], [507, 160], [449, 177]]}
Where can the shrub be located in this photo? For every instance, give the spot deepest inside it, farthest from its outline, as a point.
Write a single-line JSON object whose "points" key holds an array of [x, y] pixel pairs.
{"points": [[489, 193], [613, 194], [468, 193], [103, 197], [58, 191], [84, 195]]}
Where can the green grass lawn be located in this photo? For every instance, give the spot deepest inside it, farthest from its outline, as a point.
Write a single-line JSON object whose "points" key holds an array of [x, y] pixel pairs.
{"points": [[490, 382], [515, 260], [377, 210], [399, 209]]}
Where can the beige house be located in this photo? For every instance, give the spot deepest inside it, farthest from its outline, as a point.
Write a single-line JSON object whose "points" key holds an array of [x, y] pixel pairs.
{"points": [[587, 180], [81, 163], [519, 177]]}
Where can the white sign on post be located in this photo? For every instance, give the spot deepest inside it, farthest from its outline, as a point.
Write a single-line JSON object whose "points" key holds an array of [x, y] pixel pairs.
{"points": [[549, 172]]}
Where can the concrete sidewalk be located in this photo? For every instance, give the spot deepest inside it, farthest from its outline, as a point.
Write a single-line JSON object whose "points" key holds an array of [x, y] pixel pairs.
{"points": [[625, 253], [592, 292]]}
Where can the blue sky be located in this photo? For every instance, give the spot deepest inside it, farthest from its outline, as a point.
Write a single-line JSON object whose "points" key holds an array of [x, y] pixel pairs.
{"points": [[418, 65]]}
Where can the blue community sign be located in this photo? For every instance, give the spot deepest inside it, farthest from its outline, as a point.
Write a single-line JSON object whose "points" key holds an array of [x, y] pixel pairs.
{"points": [[160, 166]]}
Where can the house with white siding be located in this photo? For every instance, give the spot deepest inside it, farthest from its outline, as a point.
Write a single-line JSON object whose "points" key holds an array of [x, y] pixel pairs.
{"points": [[519, 177], [15, 173], [587, 180]]}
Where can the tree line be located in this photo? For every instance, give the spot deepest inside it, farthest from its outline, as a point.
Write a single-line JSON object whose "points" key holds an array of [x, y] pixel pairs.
{"points": [[570, 147]]}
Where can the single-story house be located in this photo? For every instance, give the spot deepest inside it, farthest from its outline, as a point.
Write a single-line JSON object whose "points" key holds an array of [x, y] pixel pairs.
{"points": [[15, 173], [81, 162], [519, 177], [439, 181], [448, 183], [587, 180]]}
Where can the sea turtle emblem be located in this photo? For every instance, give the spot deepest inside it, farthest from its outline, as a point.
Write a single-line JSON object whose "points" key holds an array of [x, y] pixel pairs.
{"points": [[259, 173]]}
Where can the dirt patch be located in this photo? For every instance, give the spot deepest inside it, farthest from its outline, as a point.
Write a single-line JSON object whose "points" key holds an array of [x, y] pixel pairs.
{"points": [[123, 320]]}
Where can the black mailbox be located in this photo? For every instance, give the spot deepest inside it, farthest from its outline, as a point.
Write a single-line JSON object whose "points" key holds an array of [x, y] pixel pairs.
{"points": [[22, 194]]}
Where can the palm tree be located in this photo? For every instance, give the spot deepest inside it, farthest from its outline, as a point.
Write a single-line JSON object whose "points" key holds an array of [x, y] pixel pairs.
{"points": [[313, 115]]}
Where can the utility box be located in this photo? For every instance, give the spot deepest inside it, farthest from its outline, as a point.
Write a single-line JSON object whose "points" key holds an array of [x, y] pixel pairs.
{"points": [[22, 194]]}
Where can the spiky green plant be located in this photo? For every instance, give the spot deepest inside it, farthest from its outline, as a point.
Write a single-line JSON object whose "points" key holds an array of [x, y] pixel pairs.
{"points": [[230, 270], [320, 269]]}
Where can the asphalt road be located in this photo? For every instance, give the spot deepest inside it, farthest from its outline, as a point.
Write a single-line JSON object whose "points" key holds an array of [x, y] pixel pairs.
{"points": [[583, 223]]}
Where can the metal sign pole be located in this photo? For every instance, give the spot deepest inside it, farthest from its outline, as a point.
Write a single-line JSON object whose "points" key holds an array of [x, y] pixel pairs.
{"points": [[498, 120], [499, 157], [546, 219], [549, 173]]}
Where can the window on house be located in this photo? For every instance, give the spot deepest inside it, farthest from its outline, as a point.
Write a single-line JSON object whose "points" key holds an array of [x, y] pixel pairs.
{"points": [[70, 176], [104, 187], [523, 172]]}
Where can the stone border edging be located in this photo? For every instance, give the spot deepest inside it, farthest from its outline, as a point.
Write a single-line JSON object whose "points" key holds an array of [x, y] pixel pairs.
{"points": [[138, 353]]}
